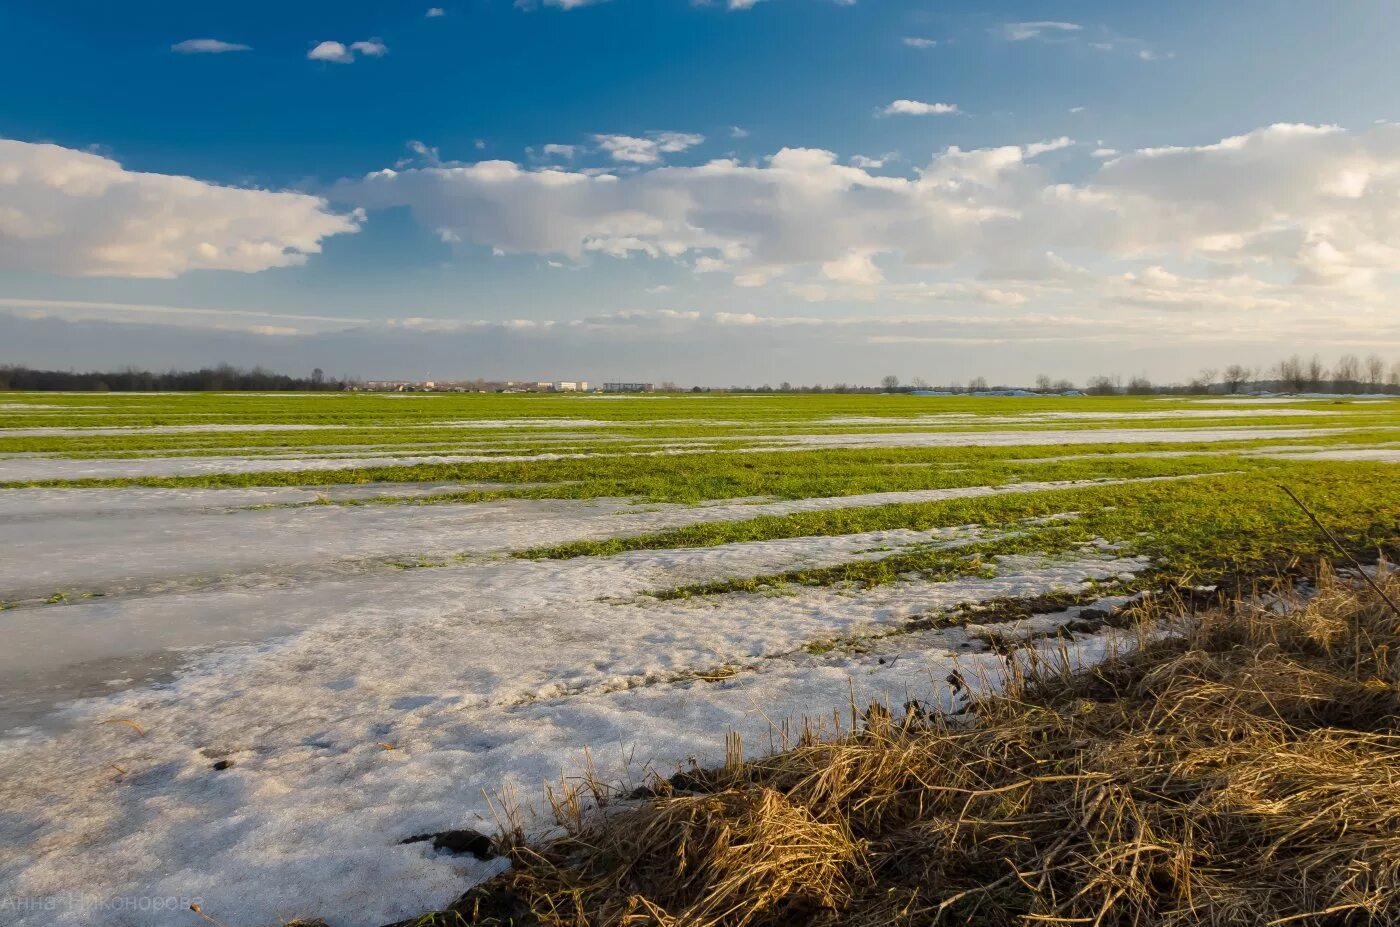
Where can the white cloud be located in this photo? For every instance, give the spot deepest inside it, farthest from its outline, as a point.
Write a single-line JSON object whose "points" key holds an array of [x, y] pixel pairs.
{"points": [[738, 132], [434, 12], [863, 162], [72, 212], [330, 51], [1286, 211], [1020, 32], [561, 4], [856, 267], [914, 41], [371, 47], [1040, 148], [560, 151], [917, 108], [339, 53], [649, 149], [207, 47]]}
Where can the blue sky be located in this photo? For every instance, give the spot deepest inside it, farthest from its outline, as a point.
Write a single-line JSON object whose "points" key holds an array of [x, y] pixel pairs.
{"points": [[664, 230]]}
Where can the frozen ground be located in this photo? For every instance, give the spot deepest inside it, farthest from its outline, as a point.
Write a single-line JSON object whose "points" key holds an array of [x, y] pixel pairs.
{"points": [[151, 430], [403, 696], [18, 470], [198, 538], [352, 703], [1377, 454]]}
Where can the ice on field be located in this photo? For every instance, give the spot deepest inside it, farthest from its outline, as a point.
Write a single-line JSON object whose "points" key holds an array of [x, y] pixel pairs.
{"points": [[443, 667], [182, 547], [366, 672], [39, 469]]}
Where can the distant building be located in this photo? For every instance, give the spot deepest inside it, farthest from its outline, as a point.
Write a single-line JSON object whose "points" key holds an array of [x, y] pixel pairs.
{"points": [[544, 386], [567, 386], [629, 387]]}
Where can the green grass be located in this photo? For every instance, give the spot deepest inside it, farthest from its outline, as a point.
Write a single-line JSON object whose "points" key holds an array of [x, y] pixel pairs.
{"points": [[1228, 519], [1207, 529]]}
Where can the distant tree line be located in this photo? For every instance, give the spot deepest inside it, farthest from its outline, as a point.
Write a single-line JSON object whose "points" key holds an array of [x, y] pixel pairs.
{"points": [[130, 380], [1296, 374]]}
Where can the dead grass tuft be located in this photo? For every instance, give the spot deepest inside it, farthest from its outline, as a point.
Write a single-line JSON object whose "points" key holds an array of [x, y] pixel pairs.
{"points": [[1243, 771]]}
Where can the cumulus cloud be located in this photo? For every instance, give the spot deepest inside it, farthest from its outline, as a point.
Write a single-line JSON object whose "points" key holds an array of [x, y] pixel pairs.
{"points": [[208, 47], [914, 41], [1285, 206], [1021, 32], [330, 51], [917, 108], [371, 47], [631, 149], [339, 53], [72, 212], [1055, 144], [560, 4]]}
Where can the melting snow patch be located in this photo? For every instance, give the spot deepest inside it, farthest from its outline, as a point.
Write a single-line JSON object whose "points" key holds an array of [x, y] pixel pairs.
{"points": [[279, 780]]}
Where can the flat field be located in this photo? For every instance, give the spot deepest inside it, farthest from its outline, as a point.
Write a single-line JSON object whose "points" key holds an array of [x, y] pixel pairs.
{"points": [[256, 641]]}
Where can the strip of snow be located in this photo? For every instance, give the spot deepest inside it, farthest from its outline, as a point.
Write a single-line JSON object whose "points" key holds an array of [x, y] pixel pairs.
{"points": [[100, 553], [1272, 450], [154, 430], [72, 651], [1037, 438], [37, 469], [1377, 454], [393, 718], [971, 418], [37, 503]]}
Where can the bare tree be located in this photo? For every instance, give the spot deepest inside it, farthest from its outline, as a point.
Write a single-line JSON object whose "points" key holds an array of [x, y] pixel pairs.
{"points": [[1347, 374], [920, 383], [1042, 383], [1140, 386], [1316, 372], [1393, 379], [977, 385], [890, 383], [1375, 370], [1103, 386], [1236, 376], [1063, 386], [1205, 379], [1292, 372]]}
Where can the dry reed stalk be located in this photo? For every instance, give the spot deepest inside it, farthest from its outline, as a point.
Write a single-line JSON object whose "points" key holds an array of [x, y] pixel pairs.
{"points": [[1244, 770]]}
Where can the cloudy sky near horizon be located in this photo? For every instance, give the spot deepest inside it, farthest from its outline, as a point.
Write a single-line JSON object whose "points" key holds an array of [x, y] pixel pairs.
{"points": [[726, 192]]}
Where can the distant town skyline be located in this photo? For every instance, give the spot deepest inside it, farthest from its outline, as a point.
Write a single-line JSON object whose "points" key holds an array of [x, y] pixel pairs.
{"points": [[752, 192]]}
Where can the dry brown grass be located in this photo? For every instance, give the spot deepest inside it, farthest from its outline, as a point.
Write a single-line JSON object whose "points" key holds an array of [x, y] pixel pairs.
{"points": [[1246, 771]]}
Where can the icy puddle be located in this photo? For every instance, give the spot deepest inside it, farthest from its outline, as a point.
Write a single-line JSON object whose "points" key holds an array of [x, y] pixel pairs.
{"points": [[404, 696]]}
